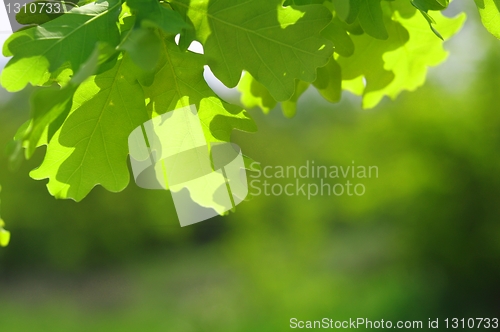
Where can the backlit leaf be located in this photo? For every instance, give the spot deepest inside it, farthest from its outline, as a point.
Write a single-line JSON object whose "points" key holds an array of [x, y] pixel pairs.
{"points": [[275, 44], [490, 15], [179, 82], [91, 147]]}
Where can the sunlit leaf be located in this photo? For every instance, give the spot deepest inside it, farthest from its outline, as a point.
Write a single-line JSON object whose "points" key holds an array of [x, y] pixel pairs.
{"points": [[490, 15], [275, 44], [91, 146]]}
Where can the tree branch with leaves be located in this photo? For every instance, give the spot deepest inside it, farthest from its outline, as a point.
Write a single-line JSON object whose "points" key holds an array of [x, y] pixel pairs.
{"points": [[103, 68]]}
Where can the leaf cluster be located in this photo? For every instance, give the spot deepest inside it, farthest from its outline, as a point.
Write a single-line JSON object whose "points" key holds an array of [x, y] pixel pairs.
{"points": [[103, 68]]}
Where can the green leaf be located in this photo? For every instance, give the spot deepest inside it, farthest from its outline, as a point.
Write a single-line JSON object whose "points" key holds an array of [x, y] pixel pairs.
{"points": [[367, 61], [43, 12], [151, 13], [4, 235], [426, 5], [490, 15], [254, 94], [179, 82], [275, 44], [342, 8], [329, 82], [354, 7], [371, 18], [91, 147], [409, 63], [144, 48], [401, 62], [289, 107], [50, 106], [336, 32], [71, 38], [431, 22]]}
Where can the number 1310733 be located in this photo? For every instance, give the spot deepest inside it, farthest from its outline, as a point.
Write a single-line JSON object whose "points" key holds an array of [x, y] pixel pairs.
{"points": [[471, 323], [39, 7]]}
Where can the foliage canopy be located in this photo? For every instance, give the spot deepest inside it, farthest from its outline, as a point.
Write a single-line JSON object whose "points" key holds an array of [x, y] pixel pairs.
{"points": [[105, 67]]}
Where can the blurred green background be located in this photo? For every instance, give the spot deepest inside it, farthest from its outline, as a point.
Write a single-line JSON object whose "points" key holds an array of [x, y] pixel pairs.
{"points": [[423, 242]]}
